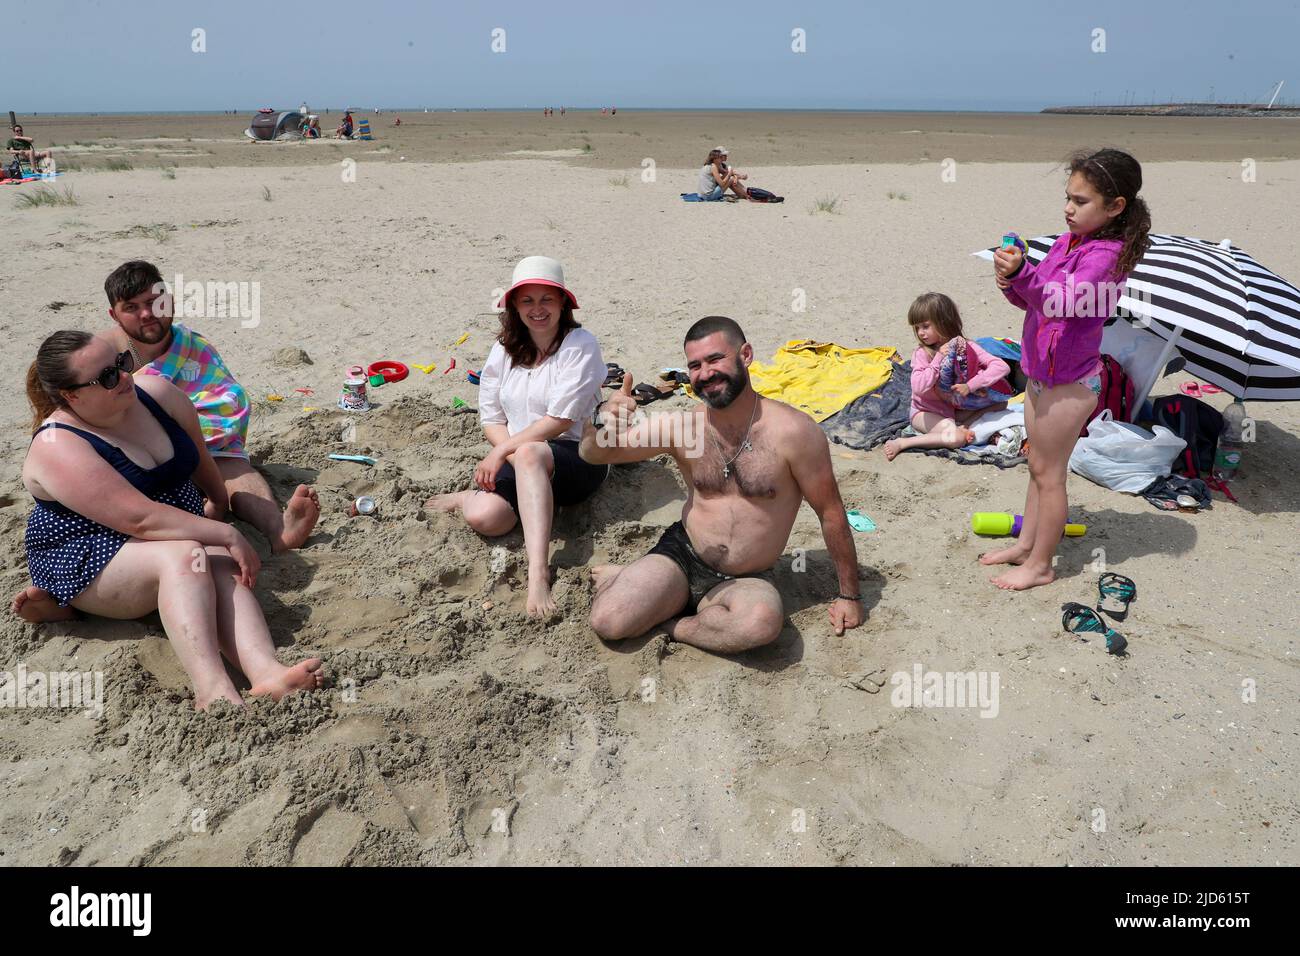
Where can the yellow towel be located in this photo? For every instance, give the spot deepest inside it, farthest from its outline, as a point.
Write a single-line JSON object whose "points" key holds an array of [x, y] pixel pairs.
{"points": [[820, 378]]}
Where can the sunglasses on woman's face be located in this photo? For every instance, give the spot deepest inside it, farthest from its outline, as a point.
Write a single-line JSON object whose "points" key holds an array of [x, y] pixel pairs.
{"points": [[110, 376]]}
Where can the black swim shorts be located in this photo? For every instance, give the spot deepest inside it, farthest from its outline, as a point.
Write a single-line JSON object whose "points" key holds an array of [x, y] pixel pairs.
{"points": [[573, 480], [700, 578]]}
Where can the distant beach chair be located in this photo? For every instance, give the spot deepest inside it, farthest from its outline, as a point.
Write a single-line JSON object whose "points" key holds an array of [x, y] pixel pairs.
{"points": [[363, 130]]}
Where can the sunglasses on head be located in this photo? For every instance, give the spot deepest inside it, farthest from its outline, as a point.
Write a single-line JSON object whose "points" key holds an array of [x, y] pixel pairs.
{"points": [[110, 376]]}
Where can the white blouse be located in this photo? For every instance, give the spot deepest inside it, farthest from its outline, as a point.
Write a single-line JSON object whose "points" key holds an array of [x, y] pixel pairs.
{"points": [[565, 385]]}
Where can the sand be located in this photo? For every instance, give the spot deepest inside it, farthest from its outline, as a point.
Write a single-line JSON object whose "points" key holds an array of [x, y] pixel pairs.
{"points": [[457, 731], [674, 139]]}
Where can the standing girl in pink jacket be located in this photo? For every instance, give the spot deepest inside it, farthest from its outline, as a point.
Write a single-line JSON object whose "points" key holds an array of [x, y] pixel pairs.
{"points": [[954, 381], [1067, 299]]}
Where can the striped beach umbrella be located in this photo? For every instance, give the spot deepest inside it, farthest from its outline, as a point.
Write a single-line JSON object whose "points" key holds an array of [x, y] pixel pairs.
{"points": [[1236, 323]]}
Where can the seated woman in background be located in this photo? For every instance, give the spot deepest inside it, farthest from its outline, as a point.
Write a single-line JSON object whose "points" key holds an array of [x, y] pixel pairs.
{"points": [[116, 465], [716, 178], [541, 382]]}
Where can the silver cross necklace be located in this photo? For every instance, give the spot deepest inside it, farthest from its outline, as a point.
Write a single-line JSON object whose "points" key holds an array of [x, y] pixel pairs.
{"points": [[745, 444]]}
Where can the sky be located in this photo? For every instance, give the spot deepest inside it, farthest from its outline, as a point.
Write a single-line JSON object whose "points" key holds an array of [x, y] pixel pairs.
{"points": [[139, 55]]}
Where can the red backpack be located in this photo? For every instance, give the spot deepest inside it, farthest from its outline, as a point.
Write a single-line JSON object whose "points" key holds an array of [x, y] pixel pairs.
{"points": [[1116, 393]]}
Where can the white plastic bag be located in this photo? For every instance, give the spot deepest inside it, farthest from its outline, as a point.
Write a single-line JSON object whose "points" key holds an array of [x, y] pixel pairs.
{"points": [[1124, 457]]}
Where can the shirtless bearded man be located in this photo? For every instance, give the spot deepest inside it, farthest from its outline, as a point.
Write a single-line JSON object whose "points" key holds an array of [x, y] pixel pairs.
{"points": [[752, 462]]}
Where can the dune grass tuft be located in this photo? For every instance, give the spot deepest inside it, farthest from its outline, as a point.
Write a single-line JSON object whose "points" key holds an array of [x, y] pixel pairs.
{"points": [[826, 204], [45, 196]]}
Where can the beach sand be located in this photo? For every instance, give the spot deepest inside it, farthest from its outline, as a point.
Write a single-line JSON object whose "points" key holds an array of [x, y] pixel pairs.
{"points": [[457, 730]]}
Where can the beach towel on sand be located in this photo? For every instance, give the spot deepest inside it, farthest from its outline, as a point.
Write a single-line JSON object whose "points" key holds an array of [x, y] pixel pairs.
{"points": [[876, 417], [885, 413], [30, 178], [820, 378]]}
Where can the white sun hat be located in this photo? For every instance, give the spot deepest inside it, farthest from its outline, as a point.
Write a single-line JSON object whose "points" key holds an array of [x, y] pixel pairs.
{"points": [[538, 270]]}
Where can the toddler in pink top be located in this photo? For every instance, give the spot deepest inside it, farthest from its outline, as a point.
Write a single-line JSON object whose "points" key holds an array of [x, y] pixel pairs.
{"points": [[954, 381]]}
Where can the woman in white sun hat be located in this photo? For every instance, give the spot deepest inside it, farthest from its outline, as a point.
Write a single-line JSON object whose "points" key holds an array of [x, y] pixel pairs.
{"points": [[540, 383]]}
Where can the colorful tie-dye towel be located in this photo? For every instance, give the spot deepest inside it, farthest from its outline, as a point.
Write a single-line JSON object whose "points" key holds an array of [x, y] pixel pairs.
{"points": [[195, 367]]}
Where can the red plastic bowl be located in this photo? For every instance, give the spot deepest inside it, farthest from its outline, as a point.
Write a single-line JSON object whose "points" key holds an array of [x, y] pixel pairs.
{"points": [[391, 371]]}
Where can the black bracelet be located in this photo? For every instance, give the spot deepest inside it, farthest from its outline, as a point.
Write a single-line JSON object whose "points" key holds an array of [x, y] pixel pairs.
{"points": [[856, 598]]}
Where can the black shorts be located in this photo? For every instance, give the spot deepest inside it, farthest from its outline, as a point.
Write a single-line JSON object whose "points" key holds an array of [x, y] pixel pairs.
{"points": [[573, 480], [700, 578]]}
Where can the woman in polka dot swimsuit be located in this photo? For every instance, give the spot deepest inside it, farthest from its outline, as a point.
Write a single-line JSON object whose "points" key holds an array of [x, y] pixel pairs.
{"points": [[116, 466]]}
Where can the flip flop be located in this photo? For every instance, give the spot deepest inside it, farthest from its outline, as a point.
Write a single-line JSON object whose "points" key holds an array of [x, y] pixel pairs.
{"points": [[1112, 586], [1208, 389], [1079, 619], [645, 394], [613, 376], [860, 522], [1190, 389]]}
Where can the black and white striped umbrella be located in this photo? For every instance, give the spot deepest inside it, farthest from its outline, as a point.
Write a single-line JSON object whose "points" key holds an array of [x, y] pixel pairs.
{"points": [[1236, 323]]}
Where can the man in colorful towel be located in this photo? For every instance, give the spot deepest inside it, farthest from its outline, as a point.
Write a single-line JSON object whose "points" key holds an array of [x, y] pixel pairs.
{"points": [[188, 360]]}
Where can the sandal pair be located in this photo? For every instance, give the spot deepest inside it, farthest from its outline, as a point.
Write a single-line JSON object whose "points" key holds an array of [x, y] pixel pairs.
{"points": [[1081, 619]]}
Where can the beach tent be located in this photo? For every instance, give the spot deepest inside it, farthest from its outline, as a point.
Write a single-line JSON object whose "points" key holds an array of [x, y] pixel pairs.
{"points": [[267, 126], [1235, 323]]}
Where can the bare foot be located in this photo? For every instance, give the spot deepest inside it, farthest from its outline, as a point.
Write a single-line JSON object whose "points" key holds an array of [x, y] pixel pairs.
{"points": [[892, 449], [300, 516], [1015, 554], [540, 602], [306, 675], [38, 606], [603, 575], [1023, 578], [448, 503], [230, 695]]}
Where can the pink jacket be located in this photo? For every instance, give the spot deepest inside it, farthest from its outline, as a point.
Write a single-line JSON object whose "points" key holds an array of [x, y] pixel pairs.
{"points": [[1067, 299], [988, 370]]}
